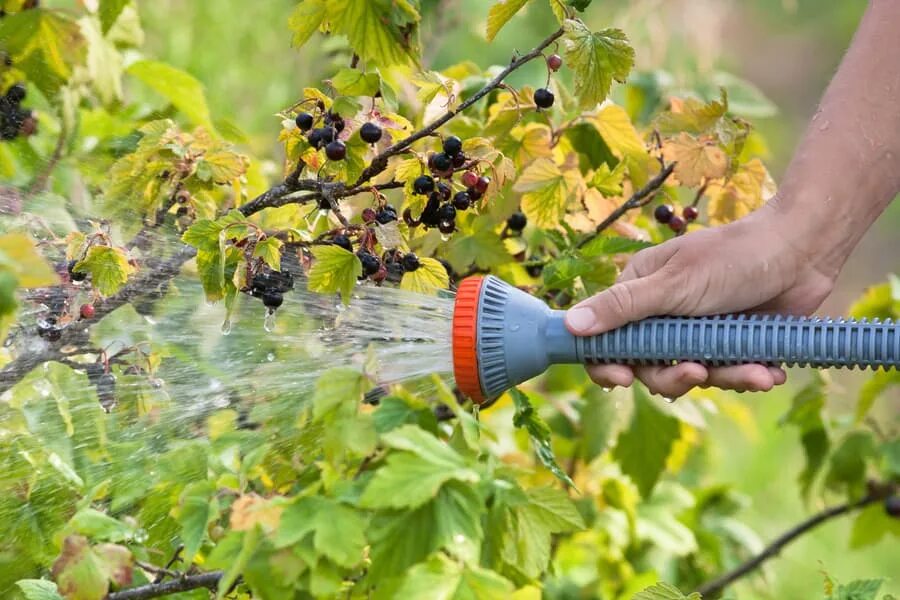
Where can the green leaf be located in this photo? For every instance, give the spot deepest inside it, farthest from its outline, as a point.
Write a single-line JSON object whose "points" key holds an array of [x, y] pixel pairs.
{"points": [[373, 30], [109, 268], [579, 5], [430, 278], [38, 589], [99, 526], [609, 182], [539, 433], [604, 246], [340, 534], [438, 577], [104, 63], [335, 270], [880, 301], [872, 389], [806, 413], [180, 88], [481, 247], [861, 589], [871, 525], [664, 591], [847, 466], [340, 386], [643, 448], [594, 272], [555, 509], [500, 14], [306, 19], [596, 59], [110, 11], [269, 250], [544, 193], [198, 507], [79, 573], [353, 82]]}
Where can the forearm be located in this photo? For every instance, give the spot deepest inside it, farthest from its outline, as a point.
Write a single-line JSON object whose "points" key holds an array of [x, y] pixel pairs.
{"points": [[846, 169]]}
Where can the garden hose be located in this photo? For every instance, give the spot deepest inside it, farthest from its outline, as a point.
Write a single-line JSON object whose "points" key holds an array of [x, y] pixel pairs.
{"points": [[502, 337]]}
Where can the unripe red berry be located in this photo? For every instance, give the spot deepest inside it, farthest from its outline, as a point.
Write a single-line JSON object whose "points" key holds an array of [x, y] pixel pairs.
{"points": [[554, 61], [482, 184], [368, 215], [676, 224], [87, 311], [690, 213], [469, 179]]}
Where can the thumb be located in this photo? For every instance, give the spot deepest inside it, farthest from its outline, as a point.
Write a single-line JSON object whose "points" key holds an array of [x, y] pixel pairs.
{"points": [[620, 304]]}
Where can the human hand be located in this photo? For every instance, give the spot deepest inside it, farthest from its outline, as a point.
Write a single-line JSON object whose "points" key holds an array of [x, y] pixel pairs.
{"points": [[750, 265]]}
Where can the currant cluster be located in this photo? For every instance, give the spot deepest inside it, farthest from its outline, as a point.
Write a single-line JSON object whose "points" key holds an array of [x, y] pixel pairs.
{"points": [[372, 267], [325, 136], [383, 215], [665, 214], [15, 120], [543, 97], [270, 286]]}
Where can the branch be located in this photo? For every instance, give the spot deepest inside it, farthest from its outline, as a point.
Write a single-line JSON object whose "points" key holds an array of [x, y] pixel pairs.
{"points": [[638, 199], [182, 584], [718, 584], [40, 182], [379, 163]]}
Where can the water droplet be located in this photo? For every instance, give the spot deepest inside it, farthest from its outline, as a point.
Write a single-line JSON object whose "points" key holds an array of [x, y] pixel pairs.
{"points": [[670, 400], [269, 321], [226, 327], [445, 237], [459, 538], [141, 536], [270, 356]]}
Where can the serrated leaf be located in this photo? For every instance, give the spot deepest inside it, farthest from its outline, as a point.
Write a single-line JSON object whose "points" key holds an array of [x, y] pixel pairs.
{"points": [[605, 246], [340, 534], [500, 14], [691, 116], [78, 572], [336, 387], [269, 250], [353, 82], [481, 247], [527, 418], [596, 59], [108, 266], [544, 193], [38, 589], [664, 591], [429, 278], [196, 509], [20, 257], [594, 273], [306, 19], [609, 182], [643, 448], [335, 270], [696, 160], [806, 413], [219, 164], [745, 191], [372, 29], [180, 88], [109, 12], [860, 589]]}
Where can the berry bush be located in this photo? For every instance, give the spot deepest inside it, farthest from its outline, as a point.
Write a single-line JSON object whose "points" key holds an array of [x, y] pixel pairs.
{"points": [[388, 174]]}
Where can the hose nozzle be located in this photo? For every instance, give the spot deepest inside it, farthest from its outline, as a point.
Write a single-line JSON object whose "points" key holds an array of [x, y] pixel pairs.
{"points": [[503, 337]]}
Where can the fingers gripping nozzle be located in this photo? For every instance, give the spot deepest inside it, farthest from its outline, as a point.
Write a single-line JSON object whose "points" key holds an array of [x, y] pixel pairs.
{"points": [[503, 336]]}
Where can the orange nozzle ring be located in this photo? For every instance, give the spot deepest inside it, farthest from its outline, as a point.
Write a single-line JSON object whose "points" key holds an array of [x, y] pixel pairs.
{"points": [[465, 334]]}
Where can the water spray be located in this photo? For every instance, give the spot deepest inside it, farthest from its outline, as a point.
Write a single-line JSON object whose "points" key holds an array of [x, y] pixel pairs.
{"points": [[502, 337]]}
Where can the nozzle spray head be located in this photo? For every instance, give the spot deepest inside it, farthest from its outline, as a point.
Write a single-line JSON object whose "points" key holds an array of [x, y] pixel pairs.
{"points": [[503, 336]]}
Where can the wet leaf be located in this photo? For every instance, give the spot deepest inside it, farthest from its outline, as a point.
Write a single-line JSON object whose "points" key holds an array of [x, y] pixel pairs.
{"points": [[335, 270]]}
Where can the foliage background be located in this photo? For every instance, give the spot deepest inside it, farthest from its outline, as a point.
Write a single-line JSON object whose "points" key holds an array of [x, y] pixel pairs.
{"points": [[788, 48]]}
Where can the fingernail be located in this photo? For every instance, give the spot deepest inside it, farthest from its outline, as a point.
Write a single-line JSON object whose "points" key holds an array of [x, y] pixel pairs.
{"points": [[581, 318]]}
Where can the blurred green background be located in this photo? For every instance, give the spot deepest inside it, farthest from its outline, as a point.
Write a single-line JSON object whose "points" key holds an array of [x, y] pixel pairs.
{"points": [[787, 48]]}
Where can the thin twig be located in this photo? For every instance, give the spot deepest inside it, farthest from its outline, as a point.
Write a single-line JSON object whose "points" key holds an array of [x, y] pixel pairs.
{"points": [[718, 584], [637, 200], [40, 182], [183, 583]]}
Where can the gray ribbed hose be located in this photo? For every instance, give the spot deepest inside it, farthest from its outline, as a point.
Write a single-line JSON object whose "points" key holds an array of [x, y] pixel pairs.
{"points": [[518, 337]]}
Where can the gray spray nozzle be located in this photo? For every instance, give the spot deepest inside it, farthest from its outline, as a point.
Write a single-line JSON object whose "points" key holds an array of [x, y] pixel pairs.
{"points": [[516, 336]]}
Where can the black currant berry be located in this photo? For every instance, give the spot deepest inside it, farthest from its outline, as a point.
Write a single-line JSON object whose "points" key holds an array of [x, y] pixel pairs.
{"points": [[16, 93], [535, 270], [892, 506], [482, 184], [336, 150], [370, 133], [272, 299], [304, 121], [459, 160], [48, 329], [408, 218], [370, 263], [410, 262], [474, 194], [676, 224], [73, 274], [554, 61], [441, 162], [423, 185], [429, 215], [343, 241], [543, 98], [461, 201], [338, 123], [690, 213], [447, 213], [368, 215], [452, 145], [447, 227], [517, 221], [315, 138], [386, 215], [663, 213], [444, 190]]}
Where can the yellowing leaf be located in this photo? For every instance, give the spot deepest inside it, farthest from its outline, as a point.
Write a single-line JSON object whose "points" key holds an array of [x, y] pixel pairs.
{"points": [[544, 191], [46, 44], [305, 20], [596, 59], [430, 277], [500, 13], [19, 256], [691, 116], [251, 510], [335, 270], [745, 191], [696, 160], [524, 144], [220, 164], [270, 251], [372, 30], [109, 268]]}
